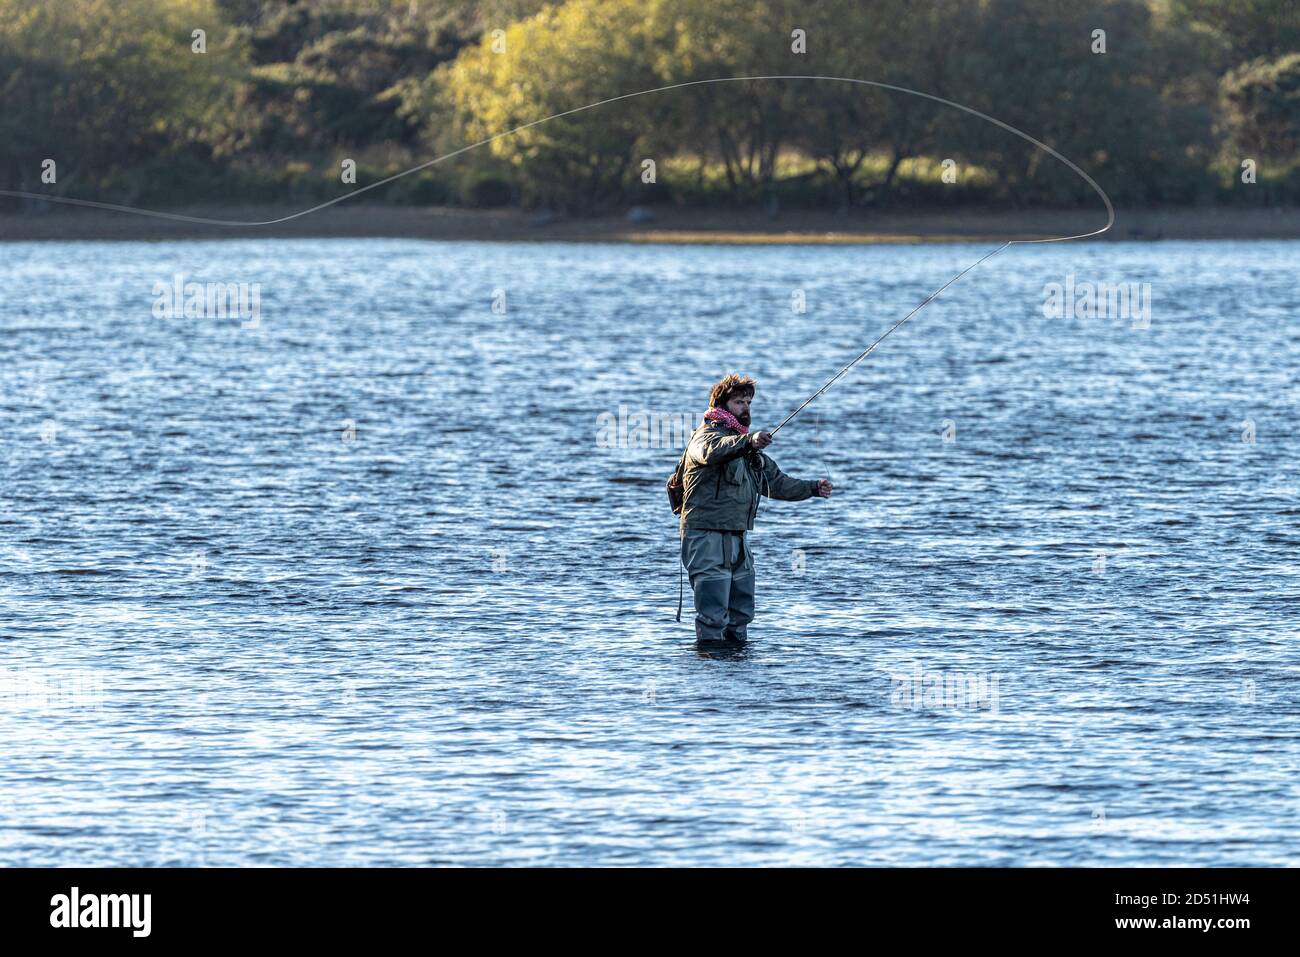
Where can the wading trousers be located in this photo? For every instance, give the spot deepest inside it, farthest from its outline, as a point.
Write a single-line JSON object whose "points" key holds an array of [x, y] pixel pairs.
{"points": [[722, 578]]}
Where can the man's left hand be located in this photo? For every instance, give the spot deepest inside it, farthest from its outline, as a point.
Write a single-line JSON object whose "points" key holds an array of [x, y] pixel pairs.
{"points": [[824, 488]]}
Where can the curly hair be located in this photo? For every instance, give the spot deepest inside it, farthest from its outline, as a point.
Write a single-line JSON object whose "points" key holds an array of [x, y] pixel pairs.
{"points": [[731, 385]]}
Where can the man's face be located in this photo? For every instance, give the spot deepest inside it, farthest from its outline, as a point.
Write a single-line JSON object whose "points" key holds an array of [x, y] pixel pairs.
{"points": [[738, 405]]}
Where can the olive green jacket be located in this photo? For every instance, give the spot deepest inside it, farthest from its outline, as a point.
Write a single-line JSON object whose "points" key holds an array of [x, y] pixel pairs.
{"points": [[724, 476]]}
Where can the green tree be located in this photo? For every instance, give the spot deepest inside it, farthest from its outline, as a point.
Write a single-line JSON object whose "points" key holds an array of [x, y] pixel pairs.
{"points": [[743, 125], [1247, 29], [109, 88], [556, 61], [909, 45], [1118, 114], [1262, 98], [336, 73]]}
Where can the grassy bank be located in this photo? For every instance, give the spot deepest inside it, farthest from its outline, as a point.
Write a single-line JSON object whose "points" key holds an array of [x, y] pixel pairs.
{"points": [[669, 225]]}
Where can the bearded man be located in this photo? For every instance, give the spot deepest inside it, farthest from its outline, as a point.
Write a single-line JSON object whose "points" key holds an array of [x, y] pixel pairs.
{"points": [[724, 473]]}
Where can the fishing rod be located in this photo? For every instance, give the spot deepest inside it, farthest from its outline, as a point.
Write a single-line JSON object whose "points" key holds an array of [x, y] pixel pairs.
{"points": [[1039, 144], [872, 348]]}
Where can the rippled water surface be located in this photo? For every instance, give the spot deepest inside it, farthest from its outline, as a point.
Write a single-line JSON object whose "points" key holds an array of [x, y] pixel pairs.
{"points": [[358, 583]]}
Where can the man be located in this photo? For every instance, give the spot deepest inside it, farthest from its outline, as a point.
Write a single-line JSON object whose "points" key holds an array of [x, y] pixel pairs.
{"points": [[725, 472]]}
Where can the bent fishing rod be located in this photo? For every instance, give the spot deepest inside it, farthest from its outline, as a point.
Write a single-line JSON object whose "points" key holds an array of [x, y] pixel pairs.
{"points": [[1110, 210], [881, 338]]}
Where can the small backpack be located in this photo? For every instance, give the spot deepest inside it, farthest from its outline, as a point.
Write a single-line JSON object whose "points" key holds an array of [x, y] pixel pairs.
{"points": [[675, 486], [676, 489], [676, 499]]}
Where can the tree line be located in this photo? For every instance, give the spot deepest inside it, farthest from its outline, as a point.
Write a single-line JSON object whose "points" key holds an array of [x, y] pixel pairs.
{"points": [[216, 102]]}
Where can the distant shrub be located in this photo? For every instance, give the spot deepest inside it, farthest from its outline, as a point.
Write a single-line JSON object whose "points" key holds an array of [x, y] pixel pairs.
{"points": [[422, 189], [490, 190]]}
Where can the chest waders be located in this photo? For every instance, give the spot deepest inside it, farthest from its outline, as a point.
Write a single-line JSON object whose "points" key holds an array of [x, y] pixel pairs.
{"points": [[725, 563], [681, 533]]}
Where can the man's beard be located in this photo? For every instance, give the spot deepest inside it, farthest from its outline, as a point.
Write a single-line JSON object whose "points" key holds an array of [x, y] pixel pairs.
{"points": [[743, 418]]}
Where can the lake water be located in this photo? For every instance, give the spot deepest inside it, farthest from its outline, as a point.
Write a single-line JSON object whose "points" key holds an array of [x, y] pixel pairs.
{"points": [[360, 581]]}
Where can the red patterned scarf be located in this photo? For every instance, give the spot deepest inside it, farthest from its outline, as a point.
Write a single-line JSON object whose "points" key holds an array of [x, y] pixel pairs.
{"points": [[726, 418]]}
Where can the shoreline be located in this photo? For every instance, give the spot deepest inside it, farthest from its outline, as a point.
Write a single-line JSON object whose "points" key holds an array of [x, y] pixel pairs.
{"points": [[670, 225]]}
